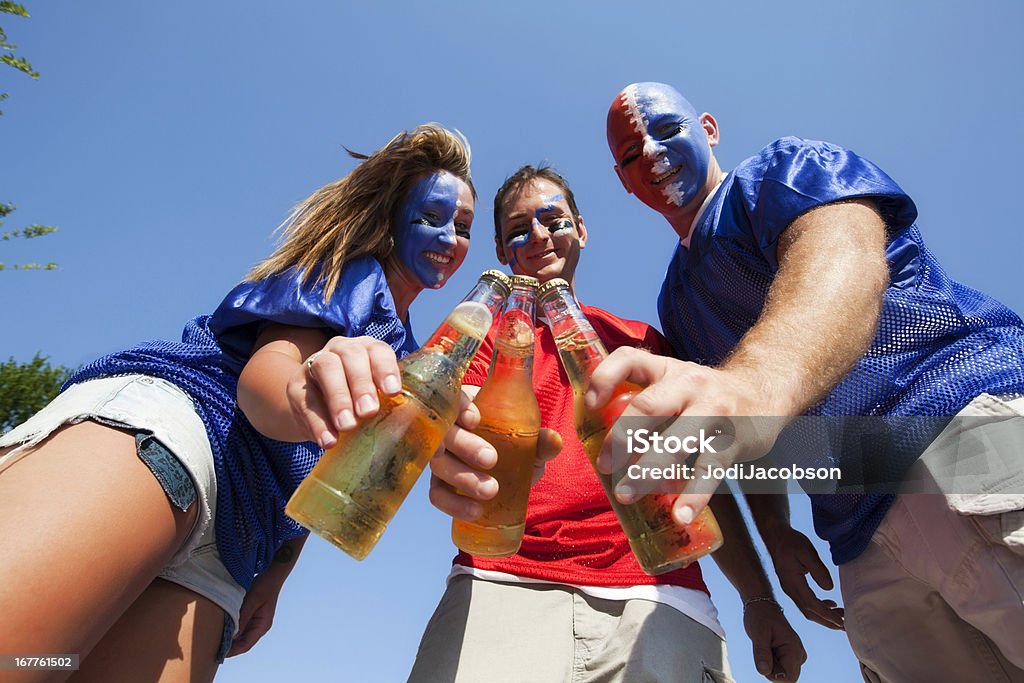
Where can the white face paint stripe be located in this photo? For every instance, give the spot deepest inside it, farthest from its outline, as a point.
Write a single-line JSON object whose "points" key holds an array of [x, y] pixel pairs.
{"points": [[660, 165], [636, 117], [673, 193]]}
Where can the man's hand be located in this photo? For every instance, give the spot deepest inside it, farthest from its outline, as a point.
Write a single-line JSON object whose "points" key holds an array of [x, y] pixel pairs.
{"points": [[709, 399], [819, 318], [794, 557], [778, 652], [458, 478]]}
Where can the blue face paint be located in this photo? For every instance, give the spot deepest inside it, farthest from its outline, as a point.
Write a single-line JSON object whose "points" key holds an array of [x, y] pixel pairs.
{"points": [[540, 236], [520, 240], [549, 206], [515, 244], [659, 144], [432, 228]]}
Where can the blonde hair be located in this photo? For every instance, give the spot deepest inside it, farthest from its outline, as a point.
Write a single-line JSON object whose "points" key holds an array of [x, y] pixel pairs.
{"points": [[351, 217]]}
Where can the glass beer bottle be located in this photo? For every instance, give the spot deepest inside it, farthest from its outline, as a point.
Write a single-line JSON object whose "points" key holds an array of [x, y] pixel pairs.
{"points": [[658, 543], [509, 421], [359, 483]]}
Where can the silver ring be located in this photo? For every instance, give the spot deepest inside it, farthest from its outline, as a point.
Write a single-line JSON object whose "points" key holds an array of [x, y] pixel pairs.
{"points": [[311, 359]]}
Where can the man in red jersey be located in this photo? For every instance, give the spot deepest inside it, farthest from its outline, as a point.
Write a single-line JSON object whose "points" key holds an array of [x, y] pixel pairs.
{"points": [[573, 604]]}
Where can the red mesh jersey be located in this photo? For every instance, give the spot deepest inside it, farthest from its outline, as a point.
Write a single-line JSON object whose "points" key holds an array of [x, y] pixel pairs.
{"points": [[572, 534]]}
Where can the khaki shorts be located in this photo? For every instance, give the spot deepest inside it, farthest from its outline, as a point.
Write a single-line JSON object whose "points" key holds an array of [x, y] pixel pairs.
{"points": [[938, 595], [542, 633]]}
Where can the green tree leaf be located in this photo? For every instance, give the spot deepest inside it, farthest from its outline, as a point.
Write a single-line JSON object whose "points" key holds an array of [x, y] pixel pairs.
{"points": [[25, 388], [13, 8], [9, 58], [20, 64]]}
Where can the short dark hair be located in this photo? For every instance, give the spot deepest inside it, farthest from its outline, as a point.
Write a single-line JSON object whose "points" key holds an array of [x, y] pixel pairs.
{"points": [[522, 177]]}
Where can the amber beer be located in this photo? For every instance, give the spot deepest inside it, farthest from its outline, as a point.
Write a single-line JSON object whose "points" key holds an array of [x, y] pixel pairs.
{"points": [[359, 483], [659, 544], [509, 421]]}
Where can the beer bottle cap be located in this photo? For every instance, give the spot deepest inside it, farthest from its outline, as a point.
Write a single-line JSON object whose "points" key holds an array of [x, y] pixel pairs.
{"points": [[551, 285], [523, 281], [498, 278]]}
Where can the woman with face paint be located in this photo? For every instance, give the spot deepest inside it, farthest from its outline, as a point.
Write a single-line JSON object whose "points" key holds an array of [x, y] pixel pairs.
{"points": [[143, 504]]}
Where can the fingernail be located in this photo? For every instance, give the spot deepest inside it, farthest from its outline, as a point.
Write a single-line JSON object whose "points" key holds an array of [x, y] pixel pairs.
{"points": [[762, 668], [488, 455], [489, 488], [589, 398], [684, 515], [327, 439], [366, 404], [392, 384], [345, 420], [625, 493]]}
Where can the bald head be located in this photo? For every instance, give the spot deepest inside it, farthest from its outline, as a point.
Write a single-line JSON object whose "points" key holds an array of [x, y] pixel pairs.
{"points": [[634, 104], [661, 146]]}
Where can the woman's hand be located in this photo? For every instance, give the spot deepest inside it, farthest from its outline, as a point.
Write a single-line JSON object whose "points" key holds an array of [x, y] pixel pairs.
{"points": [[338, 384], [257, 613], [301, 386]]}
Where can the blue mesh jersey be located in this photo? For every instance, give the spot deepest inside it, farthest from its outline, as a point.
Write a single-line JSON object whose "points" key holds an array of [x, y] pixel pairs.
{"points": [[939, 343], [256, 475]]}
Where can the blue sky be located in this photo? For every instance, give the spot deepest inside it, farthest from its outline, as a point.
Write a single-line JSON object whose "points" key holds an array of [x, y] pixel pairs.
{"points": [[168, 140]]}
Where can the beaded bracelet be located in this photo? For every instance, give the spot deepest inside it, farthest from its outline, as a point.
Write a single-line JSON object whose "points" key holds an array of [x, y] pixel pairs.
{"points": [[762, 598]]}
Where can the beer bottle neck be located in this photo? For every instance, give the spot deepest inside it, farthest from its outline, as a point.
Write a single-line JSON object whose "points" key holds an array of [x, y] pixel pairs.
{"points": [[578, 345], [461, 333], [514, 341], [581, 350]]}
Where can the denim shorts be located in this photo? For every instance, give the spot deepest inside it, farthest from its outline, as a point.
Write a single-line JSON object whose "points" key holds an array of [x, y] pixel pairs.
{"points": [[171, 440]]}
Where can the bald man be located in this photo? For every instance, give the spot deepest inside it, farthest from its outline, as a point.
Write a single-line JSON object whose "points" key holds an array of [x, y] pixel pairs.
{"points": [[801, 286]]}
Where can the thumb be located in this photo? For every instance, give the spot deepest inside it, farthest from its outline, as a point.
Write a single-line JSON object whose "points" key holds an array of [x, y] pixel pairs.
{"points": [[819, 572], [549, 444], [762, 654], [821, 576]]}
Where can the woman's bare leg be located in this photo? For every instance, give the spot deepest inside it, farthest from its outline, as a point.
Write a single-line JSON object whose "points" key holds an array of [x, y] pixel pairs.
{"points": [[86, 527], [169, 634]]}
